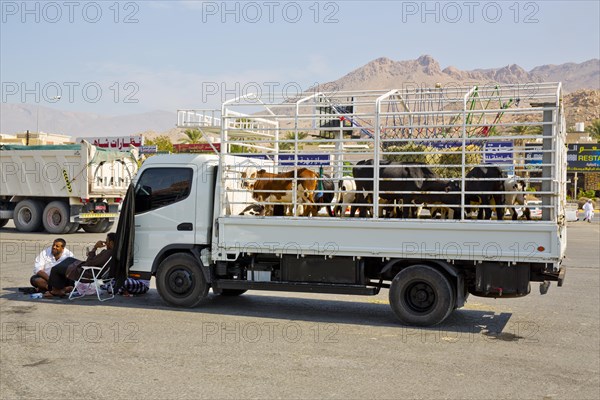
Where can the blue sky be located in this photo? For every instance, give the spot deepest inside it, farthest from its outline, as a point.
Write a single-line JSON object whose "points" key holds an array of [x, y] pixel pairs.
{"points": [[119, 58]]}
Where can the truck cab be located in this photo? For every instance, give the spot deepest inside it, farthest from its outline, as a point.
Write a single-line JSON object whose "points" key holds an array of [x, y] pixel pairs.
{"points": [[174, 197]]}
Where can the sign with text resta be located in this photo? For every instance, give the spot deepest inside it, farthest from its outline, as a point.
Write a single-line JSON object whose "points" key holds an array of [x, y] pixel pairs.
{"points": [[583, 157]]}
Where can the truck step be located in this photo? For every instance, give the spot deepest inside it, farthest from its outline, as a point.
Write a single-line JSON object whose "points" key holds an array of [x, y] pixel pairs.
{"points": [[296, 287]]}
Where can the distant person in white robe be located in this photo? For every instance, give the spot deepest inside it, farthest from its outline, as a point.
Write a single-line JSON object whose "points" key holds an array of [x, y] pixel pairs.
{"points": [[588, 211]]}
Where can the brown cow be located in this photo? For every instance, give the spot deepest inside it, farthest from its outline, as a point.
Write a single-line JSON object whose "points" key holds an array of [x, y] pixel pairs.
{"points": [[278, 188]]}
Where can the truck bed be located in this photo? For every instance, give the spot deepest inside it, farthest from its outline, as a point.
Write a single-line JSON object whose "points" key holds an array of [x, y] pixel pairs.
{"points": [[508, 241], [76, 170]]}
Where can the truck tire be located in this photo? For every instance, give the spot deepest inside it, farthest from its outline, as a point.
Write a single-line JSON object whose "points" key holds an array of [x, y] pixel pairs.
{"points": [[3, 222], [180, 281], [98, 226], [108, 226], [56, 217], [74, 227], [421, 295], [28, 215]]}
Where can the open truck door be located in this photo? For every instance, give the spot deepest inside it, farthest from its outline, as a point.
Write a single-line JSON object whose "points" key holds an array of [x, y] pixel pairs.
{"points": [[165, 212]]}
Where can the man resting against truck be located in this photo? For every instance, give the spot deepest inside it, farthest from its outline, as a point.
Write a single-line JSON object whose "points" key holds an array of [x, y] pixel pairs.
{"points": [[64, 274]]}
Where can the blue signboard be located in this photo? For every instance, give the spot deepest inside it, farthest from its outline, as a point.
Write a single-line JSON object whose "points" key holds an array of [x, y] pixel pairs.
{"points": [[498, 153], [583, 158], [445, 144], [305, 160], [533, 155]]}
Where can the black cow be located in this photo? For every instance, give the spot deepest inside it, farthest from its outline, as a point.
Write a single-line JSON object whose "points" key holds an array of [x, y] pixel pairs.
{"points": [[436, 202], [325, 193], [488, 179], [363, 176], [414, 181]]}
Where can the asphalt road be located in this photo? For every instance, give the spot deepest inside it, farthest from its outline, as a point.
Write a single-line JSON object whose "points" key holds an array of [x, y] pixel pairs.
{"points": [[277, 345]]}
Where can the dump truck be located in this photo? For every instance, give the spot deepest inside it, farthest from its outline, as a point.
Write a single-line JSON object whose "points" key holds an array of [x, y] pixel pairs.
{"points": [[60, 188], [254, 215]]}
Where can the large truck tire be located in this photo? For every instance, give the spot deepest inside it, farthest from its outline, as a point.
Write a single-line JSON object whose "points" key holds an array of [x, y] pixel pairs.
{"points": [[28, 215], [56, 217], [98, 226], [422, 295], [3, 222], [108, 226], [180, 281], [73, 227]]}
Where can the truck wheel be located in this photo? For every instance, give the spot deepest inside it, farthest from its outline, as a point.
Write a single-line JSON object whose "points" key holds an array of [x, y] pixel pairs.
{"points": [[56, 217], [98, 226], [108, 227], [180, 281], [232, 292], [3, 222], [74, 227], [28, 215], [421, 295]]}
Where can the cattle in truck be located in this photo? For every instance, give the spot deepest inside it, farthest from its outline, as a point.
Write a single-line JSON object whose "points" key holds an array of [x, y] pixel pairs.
{"points": [[444, 200], [485, 188], [344, 196], [514, 187], [325, 194], [254, 209], [403, 189], [269, 189]]}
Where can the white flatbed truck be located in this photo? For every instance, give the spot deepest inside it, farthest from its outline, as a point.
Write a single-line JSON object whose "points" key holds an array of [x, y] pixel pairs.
{"points": [[60, 188], [189, 233]]}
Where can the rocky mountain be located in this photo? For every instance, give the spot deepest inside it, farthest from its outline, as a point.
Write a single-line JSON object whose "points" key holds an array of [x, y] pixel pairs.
{"points": [[425, 71], [585, 75], [581, 84], [582, 106]]}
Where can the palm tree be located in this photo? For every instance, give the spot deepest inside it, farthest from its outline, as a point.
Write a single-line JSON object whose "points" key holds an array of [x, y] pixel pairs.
{"points": [[292, 136], [192, 136], [594, 129], [163, 143], [521, 130]]}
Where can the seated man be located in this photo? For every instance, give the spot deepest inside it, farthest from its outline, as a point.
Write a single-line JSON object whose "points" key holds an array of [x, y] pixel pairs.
{"points": [[64, 274], [45, 261]]}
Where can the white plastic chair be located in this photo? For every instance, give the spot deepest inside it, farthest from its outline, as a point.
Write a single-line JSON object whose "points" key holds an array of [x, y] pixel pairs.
{"points": [[99, 277]]}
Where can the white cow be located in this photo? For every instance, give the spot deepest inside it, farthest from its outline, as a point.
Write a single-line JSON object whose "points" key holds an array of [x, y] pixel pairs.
{"points": [[514, 188], [345, 195]]}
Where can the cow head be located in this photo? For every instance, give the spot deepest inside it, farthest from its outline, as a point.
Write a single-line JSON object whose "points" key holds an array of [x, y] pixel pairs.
{"points": [[254, 209], [452, 186], [249, 175]]}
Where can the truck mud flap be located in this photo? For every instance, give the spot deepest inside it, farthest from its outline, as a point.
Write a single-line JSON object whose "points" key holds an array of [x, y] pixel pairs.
{"points": [[558, 276], [499, 280]]}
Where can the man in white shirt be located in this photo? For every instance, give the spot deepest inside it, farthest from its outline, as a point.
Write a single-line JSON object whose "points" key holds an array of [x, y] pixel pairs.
{"points": [[588, 209], [44, 262]]}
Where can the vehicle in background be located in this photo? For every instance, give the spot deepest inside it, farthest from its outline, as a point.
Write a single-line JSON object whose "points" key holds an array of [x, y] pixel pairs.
{"points": [[535, 208], [60, 188]]}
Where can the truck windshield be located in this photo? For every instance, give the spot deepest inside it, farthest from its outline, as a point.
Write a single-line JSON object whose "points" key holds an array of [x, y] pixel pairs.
{"points": [[160, 187]]}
